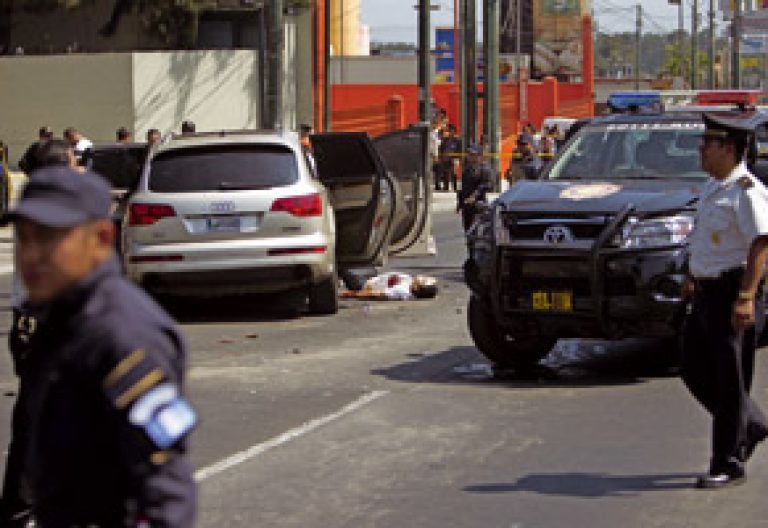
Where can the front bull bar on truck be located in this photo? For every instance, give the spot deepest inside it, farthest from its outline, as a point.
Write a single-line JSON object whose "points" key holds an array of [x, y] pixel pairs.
{"points": [[595, 258]]}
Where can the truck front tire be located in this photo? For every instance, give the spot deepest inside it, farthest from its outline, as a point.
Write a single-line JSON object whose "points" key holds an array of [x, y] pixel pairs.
{"points": [[503, 349]]}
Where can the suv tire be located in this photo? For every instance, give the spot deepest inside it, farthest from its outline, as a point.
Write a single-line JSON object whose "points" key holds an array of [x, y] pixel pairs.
{"points": [[493, 342], [324, 296]]}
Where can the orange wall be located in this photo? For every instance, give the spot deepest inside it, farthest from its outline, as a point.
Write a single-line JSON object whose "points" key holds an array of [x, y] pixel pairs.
{"points": [[357, 107]]}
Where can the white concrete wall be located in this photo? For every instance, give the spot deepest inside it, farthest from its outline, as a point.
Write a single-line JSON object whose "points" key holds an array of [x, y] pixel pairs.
{"points": [[89, 92], [215, 89], [101, 92], [376, 69]]}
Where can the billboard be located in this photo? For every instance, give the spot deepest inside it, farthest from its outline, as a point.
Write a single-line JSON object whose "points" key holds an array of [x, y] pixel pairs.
{"points": [[557, 48], [445, 39], [747, 7], [508, 30]]}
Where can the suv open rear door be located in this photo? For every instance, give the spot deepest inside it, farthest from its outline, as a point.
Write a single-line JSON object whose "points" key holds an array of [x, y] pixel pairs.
{"points": [[363, 196], [403, 157]]}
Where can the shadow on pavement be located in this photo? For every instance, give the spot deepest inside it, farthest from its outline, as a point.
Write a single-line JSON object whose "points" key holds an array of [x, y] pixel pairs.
{"points": [[238, 309], [589, 485], [464, 365], [565, 366]]}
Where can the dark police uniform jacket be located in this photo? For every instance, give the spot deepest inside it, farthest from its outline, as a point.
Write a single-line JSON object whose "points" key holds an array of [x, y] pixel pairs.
{"points": [[100, 422], [477, 180]]}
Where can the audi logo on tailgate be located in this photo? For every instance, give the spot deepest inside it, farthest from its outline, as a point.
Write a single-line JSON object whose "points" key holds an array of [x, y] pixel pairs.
{"points": [[558, 234], [222, 207]]}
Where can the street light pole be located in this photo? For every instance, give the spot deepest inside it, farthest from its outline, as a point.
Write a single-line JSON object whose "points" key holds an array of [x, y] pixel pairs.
{"points": [[470, 72], [694, 44], [276, 66], [327, 61], [462, 79], [736, 46], [491, 21], [424, 63], [712, 45], [638, 43]]}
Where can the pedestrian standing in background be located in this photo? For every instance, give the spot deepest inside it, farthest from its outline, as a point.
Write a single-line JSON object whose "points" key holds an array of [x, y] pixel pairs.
{"points": [[188, 127], [123, 135], [82, 147], [434, 152], [728, 250], [100, 422], [450, 149], [28, 162], [476, 181], [306, 146], [153, 137]]}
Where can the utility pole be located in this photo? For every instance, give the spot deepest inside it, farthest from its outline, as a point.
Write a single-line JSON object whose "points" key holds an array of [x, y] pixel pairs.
{"points": [[681, 35], [461, 56], [425, 85], [638, 39], [736, 46], [276, 67], [712, 45], [491, 21], [694, 44], [470, 73], [327, 58], [518, 37]]}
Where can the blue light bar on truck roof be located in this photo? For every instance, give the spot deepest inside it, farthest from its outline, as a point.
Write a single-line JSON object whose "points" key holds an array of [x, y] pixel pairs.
{"points": [[623, 101]]}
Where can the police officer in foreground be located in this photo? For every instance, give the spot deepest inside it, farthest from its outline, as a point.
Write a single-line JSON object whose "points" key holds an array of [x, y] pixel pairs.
{"points": [[100, 423], [728, 250], [476, 181]]}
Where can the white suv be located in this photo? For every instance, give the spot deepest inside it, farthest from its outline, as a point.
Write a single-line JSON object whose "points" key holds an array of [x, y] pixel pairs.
{"points": [[231, 213]]}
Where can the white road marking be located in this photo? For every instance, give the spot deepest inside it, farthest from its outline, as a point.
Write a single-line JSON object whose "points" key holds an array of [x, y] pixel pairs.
{"points": [[258, 449]]}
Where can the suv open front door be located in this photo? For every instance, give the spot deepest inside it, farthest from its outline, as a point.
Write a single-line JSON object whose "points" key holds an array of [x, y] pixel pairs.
{"points": [[403, 156], [363, 196]]}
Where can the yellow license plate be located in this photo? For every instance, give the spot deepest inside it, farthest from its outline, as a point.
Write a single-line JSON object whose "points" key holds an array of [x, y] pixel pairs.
{"points": [[552, 301]]}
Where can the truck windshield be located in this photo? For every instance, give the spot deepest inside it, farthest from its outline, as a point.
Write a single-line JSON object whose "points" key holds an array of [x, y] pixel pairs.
{"points": [[632, 151]]}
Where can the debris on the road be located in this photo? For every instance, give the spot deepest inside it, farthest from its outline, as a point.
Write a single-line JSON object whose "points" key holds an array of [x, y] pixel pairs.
{"points": [[296, 351], [226, 341], [394, 286], [252, 336], [474, 371]]}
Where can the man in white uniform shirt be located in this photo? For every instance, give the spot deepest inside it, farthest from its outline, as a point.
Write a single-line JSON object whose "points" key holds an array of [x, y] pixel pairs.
{"points": [[81, 145], [728, 250]]}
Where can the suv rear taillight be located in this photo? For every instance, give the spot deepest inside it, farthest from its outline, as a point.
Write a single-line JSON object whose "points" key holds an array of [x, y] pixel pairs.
{"points": [[148, 214], [307, 205]]}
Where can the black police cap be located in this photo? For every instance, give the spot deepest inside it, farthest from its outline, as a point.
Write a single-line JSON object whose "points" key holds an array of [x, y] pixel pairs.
{"points": [[62, 197]]}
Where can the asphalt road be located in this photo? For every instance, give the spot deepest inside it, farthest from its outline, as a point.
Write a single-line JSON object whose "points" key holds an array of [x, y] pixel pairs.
{"points": [[386, 416]]}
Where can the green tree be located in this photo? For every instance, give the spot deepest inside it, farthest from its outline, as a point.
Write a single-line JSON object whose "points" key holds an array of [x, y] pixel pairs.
{"points": [[171, 21]]}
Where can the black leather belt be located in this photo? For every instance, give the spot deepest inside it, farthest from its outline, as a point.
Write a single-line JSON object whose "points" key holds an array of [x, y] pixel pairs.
{"points": [[727, 276]]}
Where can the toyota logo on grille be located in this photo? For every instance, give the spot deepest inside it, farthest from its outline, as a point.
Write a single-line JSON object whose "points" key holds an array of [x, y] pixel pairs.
{"points": [[558, 234]]}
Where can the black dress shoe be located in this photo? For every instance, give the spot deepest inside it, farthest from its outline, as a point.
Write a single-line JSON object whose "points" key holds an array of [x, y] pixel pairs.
{"points": [[720, 480]]}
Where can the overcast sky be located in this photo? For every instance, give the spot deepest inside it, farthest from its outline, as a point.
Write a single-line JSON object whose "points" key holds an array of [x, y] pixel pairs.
{"points": [[395, 20]]}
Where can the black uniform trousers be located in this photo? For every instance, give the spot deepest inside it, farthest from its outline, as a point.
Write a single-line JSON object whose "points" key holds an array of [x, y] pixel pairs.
{"points": [[717, 366]]}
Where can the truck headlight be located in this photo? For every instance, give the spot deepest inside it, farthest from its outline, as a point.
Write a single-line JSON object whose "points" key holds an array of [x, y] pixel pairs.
{"points": [[655, 232]]}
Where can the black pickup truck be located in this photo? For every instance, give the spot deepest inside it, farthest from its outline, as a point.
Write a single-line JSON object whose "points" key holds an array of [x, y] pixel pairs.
{"points": [[595, 247]]}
